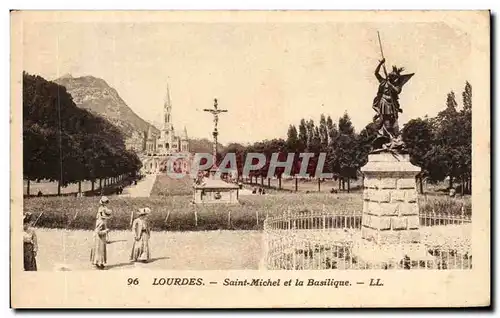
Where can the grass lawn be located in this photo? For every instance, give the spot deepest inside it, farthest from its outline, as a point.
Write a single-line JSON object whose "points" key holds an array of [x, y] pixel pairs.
{"points": [[213, 250], [167, 186], [80, 213]]}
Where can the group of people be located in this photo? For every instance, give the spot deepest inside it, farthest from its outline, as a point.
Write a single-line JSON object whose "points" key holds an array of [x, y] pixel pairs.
{"points": [[98, 253], [140, 228], [259, 191]]}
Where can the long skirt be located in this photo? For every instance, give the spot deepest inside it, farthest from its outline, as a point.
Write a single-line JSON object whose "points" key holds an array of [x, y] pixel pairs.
{"points": [[140, 249], [98, 253], [29, 257]]}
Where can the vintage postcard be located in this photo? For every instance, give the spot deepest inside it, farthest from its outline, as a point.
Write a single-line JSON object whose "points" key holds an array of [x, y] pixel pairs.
{"points": [[240, 159]]}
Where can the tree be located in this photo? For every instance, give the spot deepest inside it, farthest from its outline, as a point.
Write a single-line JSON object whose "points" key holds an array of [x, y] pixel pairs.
{"points": [[292, 141], [447, 137], [465, 150], [310, 128], [345, 125], [323, 133], [346, 159], [315, 145], [303, 137], [330, 152], [467, 97], [419, 139], [239, 152]]}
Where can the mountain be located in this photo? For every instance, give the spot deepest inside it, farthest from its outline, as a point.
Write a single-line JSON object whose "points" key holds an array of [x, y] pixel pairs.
{"points": [[95, 95]]}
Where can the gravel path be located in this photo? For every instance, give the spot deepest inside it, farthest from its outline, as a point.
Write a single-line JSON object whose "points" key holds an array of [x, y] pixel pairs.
{"points": [[142, 188], [210, 250]]}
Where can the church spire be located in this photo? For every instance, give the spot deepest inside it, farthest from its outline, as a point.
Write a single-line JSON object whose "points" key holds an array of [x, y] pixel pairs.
{"points": [[168, 103], [167, 110]]}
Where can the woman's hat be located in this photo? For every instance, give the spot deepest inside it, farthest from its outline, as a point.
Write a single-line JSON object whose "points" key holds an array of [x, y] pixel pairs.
{"points": [[104, 200], [144, 211], [27, 217]]}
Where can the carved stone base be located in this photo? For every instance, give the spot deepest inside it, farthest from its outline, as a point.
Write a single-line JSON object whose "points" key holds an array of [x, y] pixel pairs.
{"points": [[390, 222], [390, 207]]}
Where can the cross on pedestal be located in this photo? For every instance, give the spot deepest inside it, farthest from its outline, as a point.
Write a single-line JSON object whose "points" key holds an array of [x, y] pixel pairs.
{"points": [[215, 112]]}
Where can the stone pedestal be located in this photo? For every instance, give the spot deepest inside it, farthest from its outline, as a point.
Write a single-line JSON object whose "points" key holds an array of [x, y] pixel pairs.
{"points": [[390, 207], [390, 221]]}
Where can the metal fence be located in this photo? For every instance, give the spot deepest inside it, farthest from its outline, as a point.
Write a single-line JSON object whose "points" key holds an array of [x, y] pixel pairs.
{"points": [[317, 240]]}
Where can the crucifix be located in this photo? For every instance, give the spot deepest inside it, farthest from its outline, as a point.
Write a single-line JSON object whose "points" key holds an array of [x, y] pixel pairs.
{"points": [[215, 112]]}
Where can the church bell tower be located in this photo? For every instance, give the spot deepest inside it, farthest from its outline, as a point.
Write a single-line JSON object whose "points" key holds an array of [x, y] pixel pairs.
{"points": [[167, 129]]}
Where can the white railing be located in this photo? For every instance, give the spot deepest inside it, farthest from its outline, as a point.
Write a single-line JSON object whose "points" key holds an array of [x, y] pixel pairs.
{"points": [[306, 240]]}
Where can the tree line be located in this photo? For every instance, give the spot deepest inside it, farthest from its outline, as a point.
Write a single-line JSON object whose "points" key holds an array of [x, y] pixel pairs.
{"points": [[441, 146], [67, 144]]}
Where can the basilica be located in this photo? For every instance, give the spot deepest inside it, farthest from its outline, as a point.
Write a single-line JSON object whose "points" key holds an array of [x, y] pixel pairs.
{"points": [[166, 143]]}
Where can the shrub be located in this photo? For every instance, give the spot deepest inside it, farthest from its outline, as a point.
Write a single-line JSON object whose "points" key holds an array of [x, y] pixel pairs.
{"points": [[445, 205]]}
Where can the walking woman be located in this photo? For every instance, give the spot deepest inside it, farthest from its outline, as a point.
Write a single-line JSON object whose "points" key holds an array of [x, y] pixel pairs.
{"points": [[140, 228], [103, 202], [30, 243], [98, 255]]}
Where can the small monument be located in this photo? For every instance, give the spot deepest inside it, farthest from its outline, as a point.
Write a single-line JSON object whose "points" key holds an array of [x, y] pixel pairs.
{"points": [[390, 220], [213, 189]]}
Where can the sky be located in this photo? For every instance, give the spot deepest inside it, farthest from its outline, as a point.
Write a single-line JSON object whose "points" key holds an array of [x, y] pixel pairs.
{"points": [[267, 75]]}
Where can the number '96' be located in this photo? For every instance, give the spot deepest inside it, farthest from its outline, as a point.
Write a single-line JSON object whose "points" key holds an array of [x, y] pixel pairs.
{"points": [[133, 281]]}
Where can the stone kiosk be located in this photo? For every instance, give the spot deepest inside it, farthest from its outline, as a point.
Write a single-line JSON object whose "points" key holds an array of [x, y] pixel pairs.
{"points": [[215, 191]]}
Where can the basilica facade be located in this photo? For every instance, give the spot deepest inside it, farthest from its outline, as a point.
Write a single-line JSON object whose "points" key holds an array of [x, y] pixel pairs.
{"points": [[167, 142], [158, 147]]}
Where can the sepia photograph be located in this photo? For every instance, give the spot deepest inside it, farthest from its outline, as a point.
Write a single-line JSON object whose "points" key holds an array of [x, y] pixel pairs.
{"points": [[301, 150]]}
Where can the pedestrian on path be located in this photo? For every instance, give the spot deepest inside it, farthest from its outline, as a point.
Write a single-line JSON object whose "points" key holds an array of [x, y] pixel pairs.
{"points": [[103, 209], [140, 228], [98, 253], [30, 243]]}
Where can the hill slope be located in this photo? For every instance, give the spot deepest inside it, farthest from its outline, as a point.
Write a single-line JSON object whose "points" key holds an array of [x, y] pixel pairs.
{"points": [[95, 95]]}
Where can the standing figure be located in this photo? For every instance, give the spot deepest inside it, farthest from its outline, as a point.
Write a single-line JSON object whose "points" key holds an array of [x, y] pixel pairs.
{"points": [[98, 253], [103, 209], [386, 103], [140, 228], [30, 243]]}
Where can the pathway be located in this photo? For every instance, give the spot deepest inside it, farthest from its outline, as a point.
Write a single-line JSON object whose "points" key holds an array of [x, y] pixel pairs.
{"points": [[142, 188], [201, 250]]}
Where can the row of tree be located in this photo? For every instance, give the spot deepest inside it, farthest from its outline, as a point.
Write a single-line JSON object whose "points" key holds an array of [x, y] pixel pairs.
{"points": [[67, 144], [441, 146]]}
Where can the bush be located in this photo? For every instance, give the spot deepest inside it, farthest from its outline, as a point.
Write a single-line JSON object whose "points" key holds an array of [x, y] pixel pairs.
{"points": [[445, 205]]}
